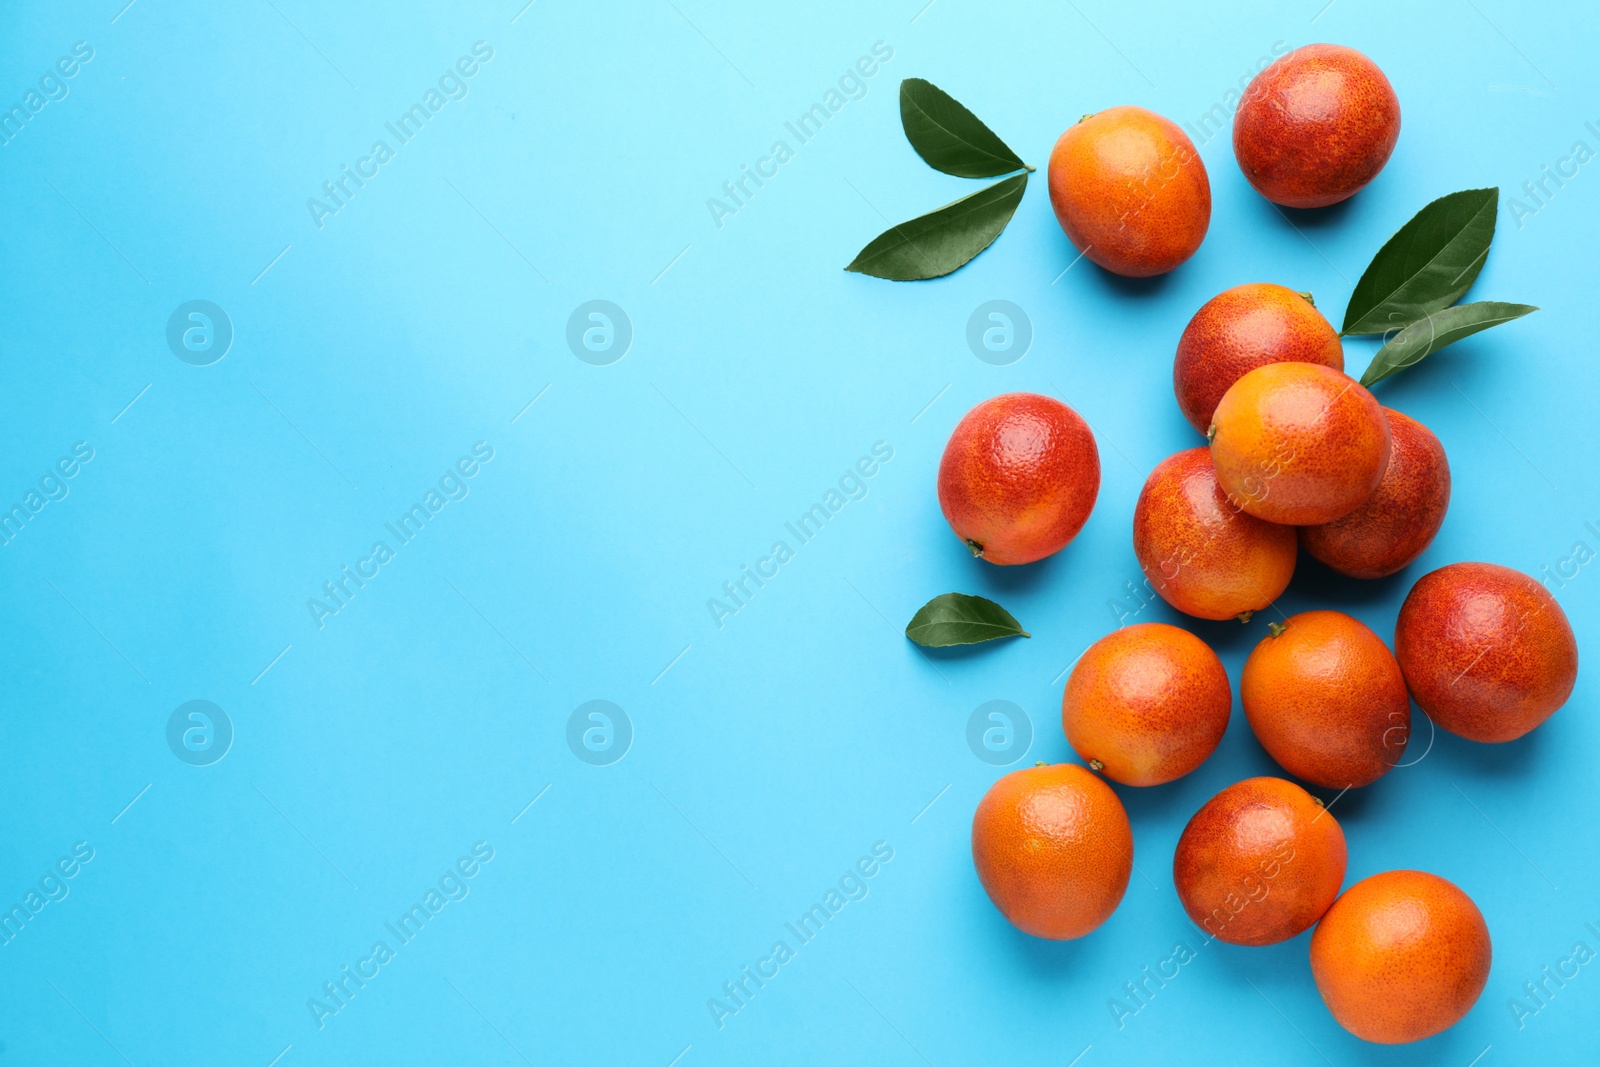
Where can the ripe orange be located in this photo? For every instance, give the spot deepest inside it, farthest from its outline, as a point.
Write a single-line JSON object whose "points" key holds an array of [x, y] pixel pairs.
{"points": [[1204, 555], [1053, 849], [1486, 650], [1259, 863], [1326, 700], [1130, 191], [1299, 443], [1019, 477], [1239, 330], [1401, 956], [1316, 126], [1400, 519], [1146, 704]]}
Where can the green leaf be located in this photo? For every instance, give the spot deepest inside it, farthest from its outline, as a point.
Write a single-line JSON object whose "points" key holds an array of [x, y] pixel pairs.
{"points": [[1445, 327], [949, 137], [959, 619], [933, 245], [1427, 265]]}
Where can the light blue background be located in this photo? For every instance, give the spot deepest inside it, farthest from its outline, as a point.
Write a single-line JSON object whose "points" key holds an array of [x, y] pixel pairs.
{"points": [[769, 754]]}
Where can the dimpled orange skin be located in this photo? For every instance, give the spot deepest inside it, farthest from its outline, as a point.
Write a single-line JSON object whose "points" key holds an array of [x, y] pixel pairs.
{"points": [[1053, 849], [1326, 700], [1486, 650], [1299, 444], [1130, 191], [1019, 477], [1203, 555], [1147, 702], [1401, 956], [1315, 127], [1241, 329], [1399, 521], [1259, 863]]}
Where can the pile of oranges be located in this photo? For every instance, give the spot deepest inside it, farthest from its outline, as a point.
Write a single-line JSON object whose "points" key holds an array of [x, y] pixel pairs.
{"points": [[1298, 457]]}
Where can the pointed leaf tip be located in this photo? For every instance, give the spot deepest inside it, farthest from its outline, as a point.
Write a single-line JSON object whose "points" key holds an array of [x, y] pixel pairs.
{"points": [[933, 245], [1428, 335], [950, 138], [1427, 265], [959, 619]]}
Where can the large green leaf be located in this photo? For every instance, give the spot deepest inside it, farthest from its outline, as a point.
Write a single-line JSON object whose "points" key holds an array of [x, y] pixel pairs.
{"points": [[959, 619], [1428, 335], [1427, 265], [933, 245], [949, 137]]}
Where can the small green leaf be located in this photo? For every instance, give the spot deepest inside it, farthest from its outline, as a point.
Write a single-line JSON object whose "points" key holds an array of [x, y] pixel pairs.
{"points": [[949, 137], [959, 619], [1427, 265], [1445, 327], [933, 245]]}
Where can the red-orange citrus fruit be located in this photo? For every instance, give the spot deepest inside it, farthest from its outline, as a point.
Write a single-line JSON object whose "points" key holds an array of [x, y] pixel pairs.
{"points": [[1259, 863], [1241, 329], [1316, 126], [1130, 191], [1401, 956], [1146, 704], [1299, 443], [1053, 849], [1201, 552], [1401, 517], [1326, 699], [1486, 650], [1019, 477]]}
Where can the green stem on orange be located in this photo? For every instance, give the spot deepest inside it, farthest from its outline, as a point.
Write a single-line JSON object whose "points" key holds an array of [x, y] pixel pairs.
{"points": [[1276, 628]]}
